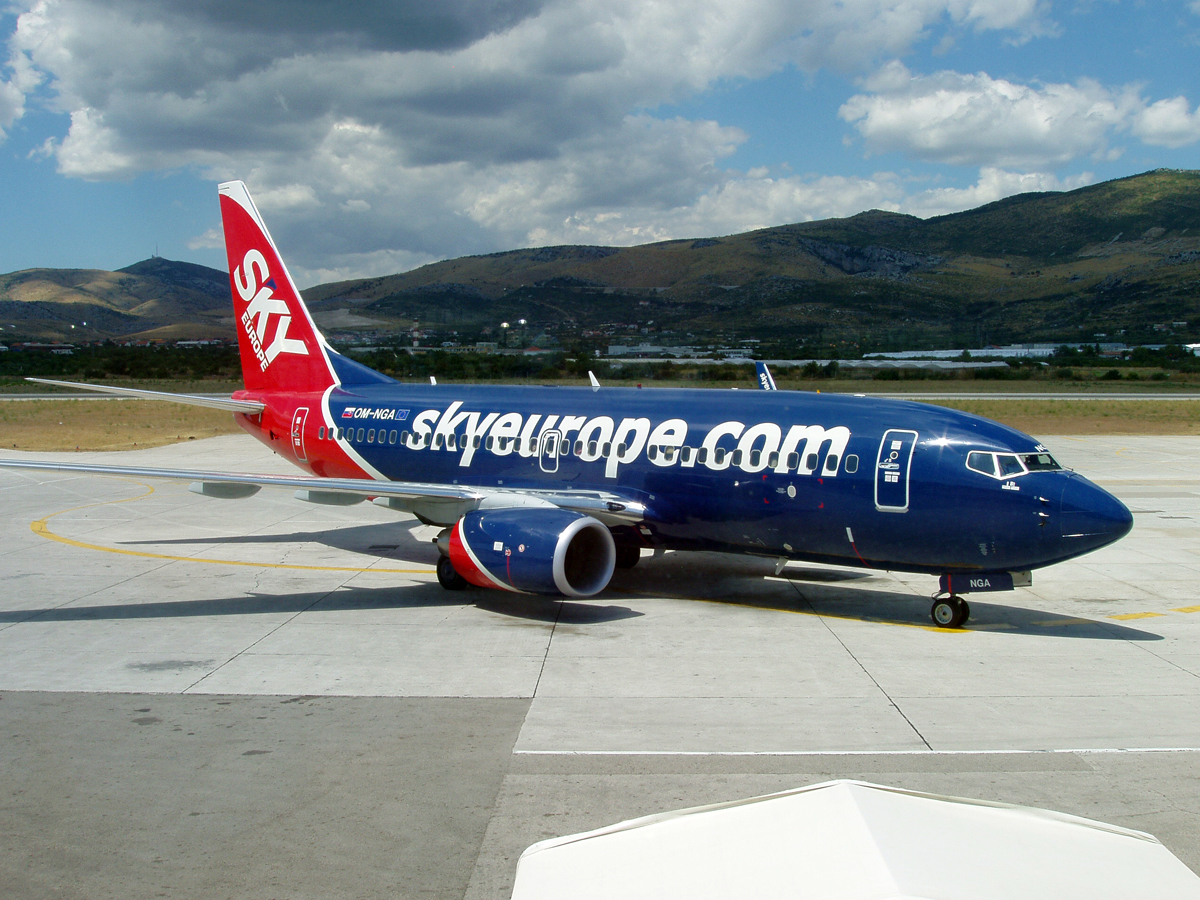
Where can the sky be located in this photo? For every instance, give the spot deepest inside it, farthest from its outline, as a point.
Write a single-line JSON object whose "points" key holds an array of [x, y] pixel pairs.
{"points": [[380, 136]]}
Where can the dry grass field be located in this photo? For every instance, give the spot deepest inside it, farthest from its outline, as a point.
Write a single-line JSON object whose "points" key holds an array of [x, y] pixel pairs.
{"points": [[126, 424], [105, 424], [1036, 416]]}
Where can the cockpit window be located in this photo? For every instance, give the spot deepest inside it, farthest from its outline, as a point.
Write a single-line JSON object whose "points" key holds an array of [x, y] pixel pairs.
{"points": [[1009, 465], [1040, 462], [984, 463]]}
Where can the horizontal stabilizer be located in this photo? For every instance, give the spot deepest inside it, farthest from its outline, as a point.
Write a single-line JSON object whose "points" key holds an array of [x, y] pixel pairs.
{"points": [[249, 407]]}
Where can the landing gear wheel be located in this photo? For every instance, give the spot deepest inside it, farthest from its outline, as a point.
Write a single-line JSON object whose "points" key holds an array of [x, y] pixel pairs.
{"points": [[448, 576], [949, 612], [628, 555]]}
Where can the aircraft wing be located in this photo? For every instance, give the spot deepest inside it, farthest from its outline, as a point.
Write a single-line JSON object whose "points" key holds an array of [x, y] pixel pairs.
{"points": [[249, 407], [439, 503]]}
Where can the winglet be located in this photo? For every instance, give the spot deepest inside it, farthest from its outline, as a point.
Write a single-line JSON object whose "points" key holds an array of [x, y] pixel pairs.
{"points": [[592, 379], [765, 381]]}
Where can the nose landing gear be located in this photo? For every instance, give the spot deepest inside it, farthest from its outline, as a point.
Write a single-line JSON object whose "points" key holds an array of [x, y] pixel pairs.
{"points": [[950, 612]]}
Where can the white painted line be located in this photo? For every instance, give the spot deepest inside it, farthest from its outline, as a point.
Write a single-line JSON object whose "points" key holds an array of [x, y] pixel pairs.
{"points": [[1084, 750]]}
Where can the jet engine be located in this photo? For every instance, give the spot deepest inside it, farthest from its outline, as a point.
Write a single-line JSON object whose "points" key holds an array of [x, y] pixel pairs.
{"points": [[537, 551]]}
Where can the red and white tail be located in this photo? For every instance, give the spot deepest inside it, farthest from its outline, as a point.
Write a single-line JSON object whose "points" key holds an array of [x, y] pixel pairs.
{"points": [[280, 346]]}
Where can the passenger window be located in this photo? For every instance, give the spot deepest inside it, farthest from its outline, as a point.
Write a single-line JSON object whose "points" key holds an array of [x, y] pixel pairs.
{"points": [[532, 445], [579, 448], [793, 461], [652, 453], [772, 460], [360, 435], [437, 442], [491, 442], [404, 437], [737, 457], [702, 455], [831, 462], [451, 442], [321, 433], [810, 462], [1009, 465], [685, 454], [755, 458], [606, 450], [621, 448], [392, 437], [591, 448], [719, 456], [371, 436], [851, 464], [983, 463], [668, 453]]}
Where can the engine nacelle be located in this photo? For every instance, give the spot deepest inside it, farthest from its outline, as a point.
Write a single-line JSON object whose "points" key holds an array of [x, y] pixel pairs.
{"points": [[537, 551]]}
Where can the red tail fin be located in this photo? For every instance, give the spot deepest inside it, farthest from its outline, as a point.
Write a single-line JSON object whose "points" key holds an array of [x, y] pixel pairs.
{"points": [[280, 346]]}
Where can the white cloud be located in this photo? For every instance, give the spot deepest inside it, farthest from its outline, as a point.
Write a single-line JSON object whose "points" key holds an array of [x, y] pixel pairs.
{"points": [[12, 106], [982, 121], [375, 135], [978, 120], [1168, 123]]}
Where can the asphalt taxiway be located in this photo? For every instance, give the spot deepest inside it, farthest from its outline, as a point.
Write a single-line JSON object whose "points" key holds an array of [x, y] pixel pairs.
{"points": [[265, 698]]}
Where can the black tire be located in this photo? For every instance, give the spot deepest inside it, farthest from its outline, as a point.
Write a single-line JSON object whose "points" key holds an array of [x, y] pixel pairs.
{"points": [[628, 555], [947, 612], [448, 576], [965, 609]]}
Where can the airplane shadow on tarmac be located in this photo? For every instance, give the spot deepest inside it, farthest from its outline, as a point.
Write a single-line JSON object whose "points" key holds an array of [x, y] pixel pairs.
{"points": [[344, 599], [820, 591], [747, 581]]}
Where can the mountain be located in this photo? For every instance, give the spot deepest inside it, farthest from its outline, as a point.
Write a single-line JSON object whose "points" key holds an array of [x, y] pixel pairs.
{"points": [[155, 298], [1114, 259], [1119, 259]]}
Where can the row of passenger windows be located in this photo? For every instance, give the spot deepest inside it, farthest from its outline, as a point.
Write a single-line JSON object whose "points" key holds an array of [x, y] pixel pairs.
{"points": [[1010, 465], [593, 449]]}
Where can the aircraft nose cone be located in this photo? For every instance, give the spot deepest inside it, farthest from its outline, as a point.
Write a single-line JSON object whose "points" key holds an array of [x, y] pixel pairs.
{"points": [[1091, 514]]}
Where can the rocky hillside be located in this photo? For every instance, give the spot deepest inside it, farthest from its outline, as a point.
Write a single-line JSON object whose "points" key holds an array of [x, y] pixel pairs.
{"points": [[155, 298]]}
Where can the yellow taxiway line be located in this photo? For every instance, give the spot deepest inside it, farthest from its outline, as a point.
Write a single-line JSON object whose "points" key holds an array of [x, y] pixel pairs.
{"points": [[42, 529]]}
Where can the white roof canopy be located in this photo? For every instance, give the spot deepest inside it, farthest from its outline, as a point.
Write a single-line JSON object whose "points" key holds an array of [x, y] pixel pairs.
{"points": [[849, 840]]}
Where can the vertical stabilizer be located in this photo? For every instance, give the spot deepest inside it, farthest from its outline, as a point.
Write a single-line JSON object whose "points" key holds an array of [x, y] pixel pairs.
{"points": [[280, 346]]}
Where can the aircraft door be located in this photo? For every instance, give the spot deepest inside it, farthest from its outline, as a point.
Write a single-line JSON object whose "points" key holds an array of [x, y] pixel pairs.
{"points": [[298, 433], [892, 470], [548, 452]]}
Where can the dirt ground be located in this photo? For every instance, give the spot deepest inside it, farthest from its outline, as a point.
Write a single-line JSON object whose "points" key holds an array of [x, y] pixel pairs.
{"points": [[125, 424]]}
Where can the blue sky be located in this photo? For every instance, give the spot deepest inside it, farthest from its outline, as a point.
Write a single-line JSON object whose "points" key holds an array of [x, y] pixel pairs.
{"points": [[377, 137]]}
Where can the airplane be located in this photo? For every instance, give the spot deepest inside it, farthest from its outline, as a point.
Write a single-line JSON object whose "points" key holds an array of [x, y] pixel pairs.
{"points": [[547, 490]]}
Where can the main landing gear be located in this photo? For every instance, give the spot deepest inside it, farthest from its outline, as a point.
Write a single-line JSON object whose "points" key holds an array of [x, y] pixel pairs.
{"points": [[448, 576], [628, 555], [950, 612]]}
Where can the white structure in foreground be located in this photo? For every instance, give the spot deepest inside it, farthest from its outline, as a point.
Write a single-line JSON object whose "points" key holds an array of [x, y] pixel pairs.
{"points": [[851, 840]]}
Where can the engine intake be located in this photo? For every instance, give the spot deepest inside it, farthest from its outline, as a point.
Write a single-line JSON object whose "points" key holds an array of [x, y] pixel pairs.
{"points": [[537, 551]]}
